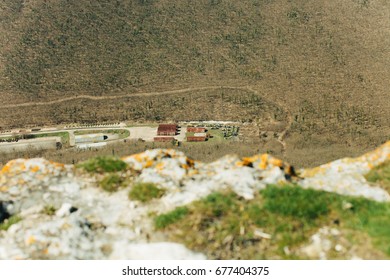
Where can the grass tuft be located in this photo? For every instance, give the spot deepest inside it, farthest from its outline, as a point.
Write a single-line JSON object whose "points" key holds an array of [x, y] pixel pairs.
{"points": [[111, 182], [164, 220], [103, 164], [145, 192]]}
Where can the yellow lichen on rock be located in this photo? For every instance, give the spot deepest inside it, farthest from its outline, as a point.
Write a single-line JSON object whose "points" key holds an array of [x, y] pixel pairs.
{"points": [[148, 163], [5, 168], [30, 240], [264, 161], [34, 168], [160, 166]]}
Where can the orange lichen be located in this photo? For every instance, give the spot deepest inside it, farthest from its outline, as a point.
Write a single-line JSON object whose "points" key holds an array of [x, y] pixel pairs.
{"points": [[314, 171], [160, 166], [31, 240], [148, 163], [5, 169], [290, 170], [139, 157], [264, 161], [190, 162], [246, 161], [22, 166], [34, 168], [57, 164], [276, 162]]}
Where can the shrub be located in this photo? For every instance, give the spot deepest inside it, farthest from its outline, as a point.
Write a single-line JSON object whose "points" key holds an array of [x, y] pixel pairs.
{"points": [[145, 192], [103, 164]]}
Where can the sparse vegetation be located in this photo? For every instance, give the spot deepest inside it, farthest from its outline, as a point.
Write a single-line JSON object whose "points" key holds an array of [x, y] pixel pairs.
{"points": [[103, 164], [6, 224], [225, 226], [144, 191]]}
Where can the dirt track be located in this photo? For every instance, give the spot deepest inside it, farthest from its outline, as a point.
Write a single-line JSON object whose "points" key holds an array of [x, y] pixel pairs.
{"points": [[91, 97]]}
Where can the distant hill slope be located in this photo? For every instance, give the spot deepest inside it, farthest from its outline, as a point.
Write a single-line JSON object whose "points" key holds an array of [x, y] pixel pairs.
{"points": [[327, 62], [318, 47]]}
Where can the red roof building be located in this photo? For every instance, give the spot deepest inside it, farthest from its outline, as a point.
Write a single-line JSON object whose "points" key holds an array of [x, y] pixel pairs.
{"points": [[196, 129], [167, 129]]}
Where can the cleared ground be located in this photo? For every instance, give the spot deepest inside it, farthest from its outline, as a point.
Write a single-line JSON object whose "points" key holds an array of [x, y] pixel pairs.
{"points": [[145, 133]]}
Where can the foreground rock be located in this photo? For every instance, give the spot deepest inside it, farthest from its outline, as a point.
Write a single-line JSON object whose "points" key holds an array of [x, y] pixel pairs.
{"points": [[346, 176], [65, 215]]}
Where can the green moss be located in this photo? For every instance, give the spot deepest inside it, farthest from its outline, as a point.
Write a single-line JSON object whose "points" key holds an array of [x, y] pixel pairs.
{"points": [[145, 192], [103, 164], [6, 224], [165, 220], [111, 182]]}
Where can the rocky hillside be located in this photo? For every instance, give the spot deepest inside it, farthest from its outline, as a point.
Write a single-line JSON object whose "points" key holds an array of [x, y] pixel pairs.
{"points": [[162, 204]]}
